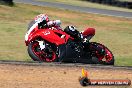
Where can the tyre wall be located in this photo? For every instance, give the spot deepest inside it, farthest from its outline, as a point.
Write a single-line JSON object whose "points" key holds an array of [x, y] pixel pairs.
{"points": [[7, 2], [118, 3]]}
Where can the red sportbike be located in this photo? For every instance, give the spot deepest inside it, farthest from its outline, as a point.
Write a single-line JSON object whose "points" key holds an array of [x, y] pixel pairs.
{"points": [[52, 45]]}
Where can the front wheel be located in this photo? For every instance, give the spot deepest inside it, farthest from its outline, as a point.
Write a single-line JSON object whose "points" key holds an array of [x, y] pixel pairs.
{"points": [[102, 53], [45, 55]]}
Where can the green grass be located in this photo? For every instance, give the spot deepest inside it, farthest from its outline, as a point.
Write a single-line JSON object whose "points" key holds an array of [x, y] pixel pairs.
{"points": [[115, 33], [84, 3]]}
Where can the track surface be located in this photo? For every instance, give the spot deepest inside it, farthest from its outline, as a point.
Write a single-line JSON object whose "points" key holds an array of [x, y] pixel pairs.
{"points": [[65, 65], [78, 8]]}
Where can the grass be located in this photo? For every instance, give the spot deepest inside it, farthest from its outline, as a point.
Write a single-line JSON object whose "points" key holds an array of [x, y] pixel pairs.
{"points": [[115, 33], [84, 3]]}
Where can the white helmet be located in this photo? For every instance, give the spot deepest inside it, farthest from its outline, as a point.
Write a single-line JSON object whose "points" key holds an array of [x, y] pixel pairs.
{"points": [[41, 17]]}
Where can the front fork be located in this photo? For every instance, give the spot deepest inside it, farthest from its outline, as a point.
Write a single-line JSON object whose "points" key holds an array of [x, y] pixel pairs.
{"points": [[41, 45]]}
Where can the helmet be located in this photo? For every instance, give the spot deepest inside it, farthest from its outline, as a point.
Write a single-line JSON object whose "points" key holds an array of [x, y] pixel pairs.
{"points": [[41, 18]]}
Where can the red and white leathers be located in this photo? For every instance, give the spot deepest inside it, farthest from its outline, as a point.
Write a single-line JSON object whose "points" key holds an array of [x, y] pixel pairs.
{"points": [[50, 23]]}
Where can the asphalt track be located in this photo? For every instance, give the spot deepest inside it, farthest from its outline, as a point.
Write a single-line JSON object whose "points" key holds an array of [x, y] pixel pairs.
{"points": [[31, 63], [78, 8]]}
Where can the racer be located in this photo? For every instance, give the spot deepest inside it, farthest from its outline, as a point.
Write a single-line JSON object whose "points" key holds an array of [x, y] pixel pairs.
{"points": [[43, 21]]}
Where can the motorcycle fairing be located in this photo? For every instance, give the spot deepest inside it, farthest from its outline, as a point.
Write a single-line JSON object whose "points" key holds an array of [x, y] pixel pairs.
{"points": [[50, 36]]}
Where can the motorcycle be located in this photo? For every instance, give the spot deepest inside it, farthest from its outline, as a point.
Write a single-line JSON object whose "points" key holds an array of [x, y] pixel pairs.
{"points": [[52, 45]]}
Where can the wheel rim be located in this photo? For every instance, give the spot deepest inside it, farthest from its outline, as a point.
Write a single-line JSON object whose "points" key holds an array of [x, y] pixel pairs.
{"points": [[41, 54], [107, 57]]}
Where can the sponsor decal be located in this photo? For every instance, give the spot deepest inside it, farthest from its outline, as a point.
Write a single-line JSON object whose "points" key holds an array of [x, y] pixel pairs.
{"points": [[46, 33]]}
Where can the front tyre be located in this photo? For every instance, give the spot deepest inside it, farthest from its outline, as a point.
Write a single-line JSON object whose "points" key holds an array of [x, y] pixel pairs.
{"points": [[47, 55], [103, 54]]}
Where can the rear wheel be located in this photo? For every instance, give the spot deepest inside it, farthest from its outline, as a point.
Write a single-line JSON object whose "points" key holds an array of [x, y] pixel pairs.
{"points": [[44, 55], [102, 53]]}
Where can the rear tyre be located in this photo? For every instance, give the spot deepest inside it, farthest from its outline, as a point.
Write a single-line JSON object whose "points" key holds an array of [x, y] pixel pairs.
{"points": [[37, 54]]}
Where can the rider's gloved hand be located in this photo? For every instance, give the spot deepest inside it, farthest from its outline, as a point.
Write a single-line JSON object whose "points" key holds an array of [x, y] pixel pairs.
{"points": [[57, 22], [54, 23], [50, 23]]}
